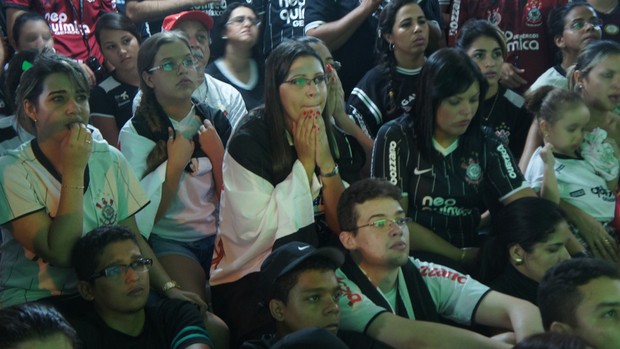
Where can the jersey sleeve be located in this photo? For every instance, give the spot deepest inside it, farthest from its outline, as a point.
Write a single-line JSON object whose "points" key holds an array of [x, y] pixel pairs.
{"points": [[319, 12], [390, 155], [502, 173], [133, 197], [535, 171], [183, 324], [456, 295], [100, 104], [356, 310], [136, 149], [460, 12], [17, 197], [362, 105]]}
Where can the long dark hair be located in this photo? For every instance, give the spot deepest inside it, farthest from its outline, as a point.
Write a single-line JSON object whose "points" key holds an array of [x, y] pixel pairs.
{"points": [[385, 53], [527, 222], [149, 107], [446, 73], [276, 69]]}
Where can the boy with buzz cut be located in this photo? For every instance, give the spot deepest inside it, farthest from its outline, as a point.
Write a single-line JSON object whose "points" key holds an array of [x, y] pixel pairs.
{"points": [[399, 300], [581, 296], [113, 277]]}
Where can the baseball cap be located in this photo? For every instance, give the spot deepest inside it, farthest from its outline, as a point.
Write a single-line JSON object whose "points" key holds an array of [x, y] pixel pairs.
{"points": [[171, 21], [288, 256]]}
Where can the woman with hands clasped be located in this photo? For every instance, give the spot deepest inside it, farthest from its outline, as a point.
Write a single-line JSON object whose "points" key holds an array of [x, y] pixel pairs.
{"points": [[176, 148], [59, 186], [279, 168]]}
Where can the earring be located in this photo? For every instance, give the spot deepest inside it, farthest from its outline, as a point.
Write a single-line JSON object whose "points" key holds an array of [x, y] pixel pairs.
{"points": [[518, 261], [224, 37], [579, 87], [391, 47]]}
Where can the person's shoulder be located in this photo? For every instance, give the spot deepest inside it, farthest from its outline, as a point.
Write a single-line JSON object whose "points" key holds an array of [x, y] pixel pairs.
{"points": [[221, 87], [400, 125]]}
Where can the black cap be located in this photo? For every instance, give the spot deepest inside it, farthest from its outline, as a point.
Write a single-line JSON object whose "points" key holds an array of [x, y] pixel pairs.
{"points": [[286, 257]]}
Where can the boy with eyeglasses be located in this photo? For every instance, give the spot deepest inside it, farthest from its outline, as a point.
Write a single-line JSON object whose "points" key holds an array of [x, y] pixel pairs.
{"points": [[114, 279], [384, 289]]}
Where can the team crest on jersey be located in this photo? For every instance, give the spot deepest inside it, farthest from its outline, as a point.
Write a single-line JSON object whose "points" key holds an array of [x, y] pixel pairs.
{"points": [[473, 171], [534, 15], [503, 133], [494, 16], [107, 211]]}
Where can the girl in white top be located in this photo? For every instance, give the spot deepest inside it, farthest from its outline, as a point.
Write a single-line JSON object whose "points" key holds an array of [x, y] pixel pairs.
{"points": [[577, 165], [175, 149]]}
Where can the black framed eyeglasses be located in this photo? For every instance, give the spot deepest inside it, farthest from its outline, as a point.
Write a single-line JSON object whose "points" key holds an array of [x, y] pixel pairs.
{"points": [[188, 63], [114, 272], [579, 24], [385, 222], [302, 82]]}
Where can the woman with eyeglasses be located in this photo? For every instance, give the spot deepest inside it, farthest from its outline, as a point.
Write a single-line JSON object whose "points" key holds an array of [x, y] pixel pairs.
{"points": [[388, 90], [176, 148], [279, 170], [451, 169], [110, 100], [59, 186], [240, 66], [572, 26]]}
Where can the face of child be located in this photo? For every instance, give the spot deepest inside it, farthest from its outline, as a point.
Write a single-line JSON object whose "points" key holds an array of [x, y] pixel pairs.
{"points": [[566, 133]]}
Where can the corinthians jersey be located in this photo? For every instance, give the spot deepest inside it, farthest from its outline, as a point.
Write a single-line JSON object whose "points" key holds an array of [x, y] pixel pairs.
{"points": [[447, 198]]}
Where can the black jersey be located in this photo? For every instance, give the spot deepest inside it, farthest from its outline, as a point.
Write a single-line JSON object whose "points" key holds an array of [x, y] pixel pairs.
{"points": [[448, 197], [370, 103], [506, 115]]}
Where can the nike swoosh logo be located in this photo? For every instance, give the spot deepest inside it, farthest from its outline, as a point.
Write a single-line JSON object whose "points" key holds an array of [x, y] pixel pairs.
{"points": [[302, 248], [419, 172]]}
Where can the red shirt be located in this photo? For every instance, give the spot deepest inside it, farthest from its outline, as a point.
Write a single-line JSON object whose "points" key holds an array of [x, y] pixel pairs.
{"points": [[66, 27]]}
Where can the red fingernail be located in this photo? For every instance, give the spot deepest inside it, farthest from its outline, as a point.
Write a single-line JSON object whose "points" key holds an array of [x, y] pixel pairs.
{"points": [[329, 68]]}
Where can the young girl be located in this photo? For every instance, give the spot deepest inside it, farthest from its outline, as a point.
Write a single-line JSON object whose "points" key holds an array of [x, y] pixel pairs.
{"points": [[175, 148], [575, 165], [110, 101], [503, 109]]}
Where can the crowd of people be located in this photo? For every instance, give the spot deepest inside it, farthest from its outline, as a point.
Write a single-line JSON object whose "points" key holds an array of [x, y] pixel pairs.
{"points": [[291, 174]]}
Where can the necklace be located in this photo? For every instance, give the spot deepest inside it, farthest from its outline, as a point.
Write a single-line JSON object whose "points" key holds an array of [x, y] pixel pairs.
{"points": [[492, 107]]}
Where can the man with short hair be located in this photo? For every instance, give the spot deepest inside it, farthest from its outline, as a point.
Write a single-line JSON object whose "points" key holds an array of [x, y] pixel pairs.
{"points": [[196, 25], [114, 279], [385, 290], [582, 296]]}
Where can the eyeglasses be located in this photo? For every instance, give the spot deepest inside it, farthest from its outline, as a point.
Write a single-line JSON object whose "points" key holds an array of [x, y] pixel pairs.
{"points": [[114, 272], [302, 82], [382, 223], [188, 63], [239, 20], [579, 24]]}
